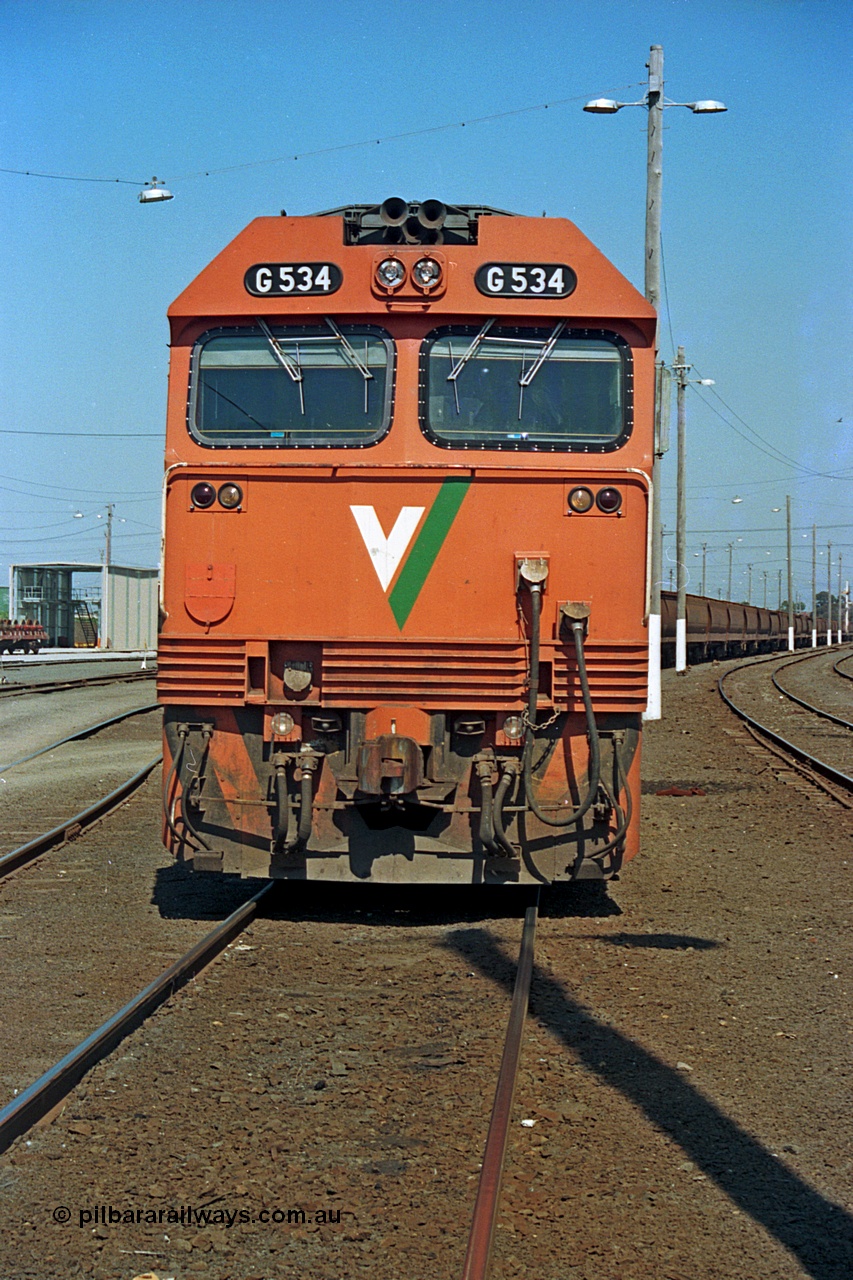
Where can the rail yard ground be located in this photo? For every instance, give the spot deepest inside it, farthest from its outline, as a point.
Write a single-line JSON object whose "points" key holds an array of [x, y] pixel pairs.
{"points": [[686, 1064]]}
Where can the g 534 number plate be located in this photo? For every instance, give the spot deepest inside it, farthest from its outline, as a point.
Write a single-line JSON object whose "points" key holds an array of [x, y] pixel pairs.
{"points": [[525, 280], [275, 279]]}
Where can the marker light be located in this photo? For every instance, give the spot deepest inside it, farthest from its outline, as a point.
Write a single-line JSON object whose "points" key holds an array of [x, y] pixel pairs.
{"points": [[513, 728], [203, 495], [580, 500], [282, 724], [230, 496], [608, 500], [391, 273], [426, 273]]}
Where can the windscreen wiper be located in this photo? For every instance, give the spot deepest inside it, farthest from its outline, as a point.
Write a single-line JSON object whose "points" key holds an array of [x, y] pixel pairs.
{"points": [[353, 355], [525, 379], [293, 367], [461, 363]]}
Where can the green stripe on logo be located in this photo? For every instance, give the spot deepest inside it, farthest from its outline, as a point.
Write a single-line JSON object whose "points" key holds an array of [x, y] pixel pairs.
{"points": [[429, 542]]}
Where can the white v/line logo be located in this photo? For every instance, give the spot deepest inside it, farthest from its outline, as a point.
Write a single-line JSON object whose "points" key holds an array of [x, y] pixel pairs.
{"points": [[386, 553]]}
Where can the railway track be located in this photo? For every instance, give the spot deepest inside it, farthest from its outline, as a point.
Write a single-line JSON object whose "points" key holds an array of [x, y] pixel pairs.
{"points": [[836, 666], [339, 1055], [19, 1115], [88, 682], [821, 754], [802, 702], [79, 734], [72, 827], [484, 1223], [53, 1087], [29, 794]]}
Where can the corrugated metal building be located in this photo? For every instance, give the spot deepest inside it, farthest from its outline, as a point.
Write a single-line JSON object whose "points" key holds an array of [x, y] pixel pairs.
{"points": [[122, 616]]}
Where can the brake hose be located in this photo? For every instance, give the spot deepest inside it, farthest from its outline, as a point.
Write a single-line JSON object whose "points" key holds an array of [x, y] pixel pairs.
{"points": [[168, 808], [509, 774], [594, 772], [624, 819]]}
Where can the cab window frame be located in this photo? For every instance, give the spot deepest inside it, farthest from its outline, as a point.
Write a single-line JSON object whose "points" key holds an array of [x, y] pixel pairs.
{"points": [[287, 331], [538, 333]]}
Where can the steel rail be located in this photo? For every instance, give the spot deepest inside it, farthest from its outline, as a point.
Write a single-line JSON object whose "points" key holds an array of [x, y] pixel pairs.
{"points": [[809, 706], [44, 1094], [484, 1220], [814, 762], [57, 686], [73, 826], [81, 733], [839, 795], [836, 666]]}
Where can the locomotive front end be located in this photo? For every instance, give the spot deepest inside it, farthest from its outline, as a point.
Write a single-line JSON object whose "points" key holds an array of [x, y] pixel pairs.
{"points": [[405, 570]]}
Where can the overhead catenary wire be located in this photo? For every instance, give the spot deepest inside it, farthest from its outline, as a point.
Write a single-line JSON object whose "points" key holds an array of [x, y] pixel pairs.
{"points": [[329, 150], [93, 435], [72, 177], [759, 443]]}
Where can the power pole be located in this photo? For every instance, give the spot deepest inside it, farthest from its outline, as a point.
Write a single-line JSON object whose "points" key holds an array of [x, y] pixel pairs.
{"points": [[729, 587], [749, 585], [790, 577], [764, 571], [814, 586], [654, 102], [829, 593], [654, 191], [704, 555], [680, 369], [106, 585], [839, 597]]}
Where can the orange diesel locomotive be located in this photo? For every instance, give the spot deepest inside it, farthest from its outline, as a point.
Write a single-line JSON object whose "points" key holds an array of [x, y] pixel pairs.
{"points": [[405, 571]]}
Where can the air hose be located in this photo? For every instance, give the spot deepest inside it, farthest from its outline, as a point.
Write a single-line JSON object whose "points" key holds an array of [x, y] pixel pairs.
{"points": [[509, 774], [594, 771], [169, 807], [623, 817], [289, 837]]}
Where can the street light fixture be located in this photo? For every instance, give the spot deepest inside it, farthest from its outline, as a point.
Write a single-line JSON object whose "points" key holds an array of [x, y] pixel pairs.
{"points": [[154, 194], [654, 101], [609, 106]]}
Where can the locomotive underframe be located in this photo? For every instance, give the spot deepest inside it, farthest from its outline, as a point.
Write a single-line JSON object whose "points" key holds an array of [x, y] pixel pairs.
{"points": [[342, 807]]}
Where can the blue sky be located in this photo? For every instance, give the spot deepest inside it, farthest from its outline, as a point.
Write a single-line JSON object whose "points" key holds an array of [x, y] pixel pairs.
{"points": [[209, 95]]}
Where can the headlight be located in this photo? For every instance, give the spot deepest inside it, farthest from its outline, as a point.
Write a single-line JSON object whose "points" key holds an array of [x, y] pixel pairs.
{"points": [[426, 273], [282, 724], [203, 495], [230, 496], [513, 728], [580, 500], [391, 273], [608, 500]]}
